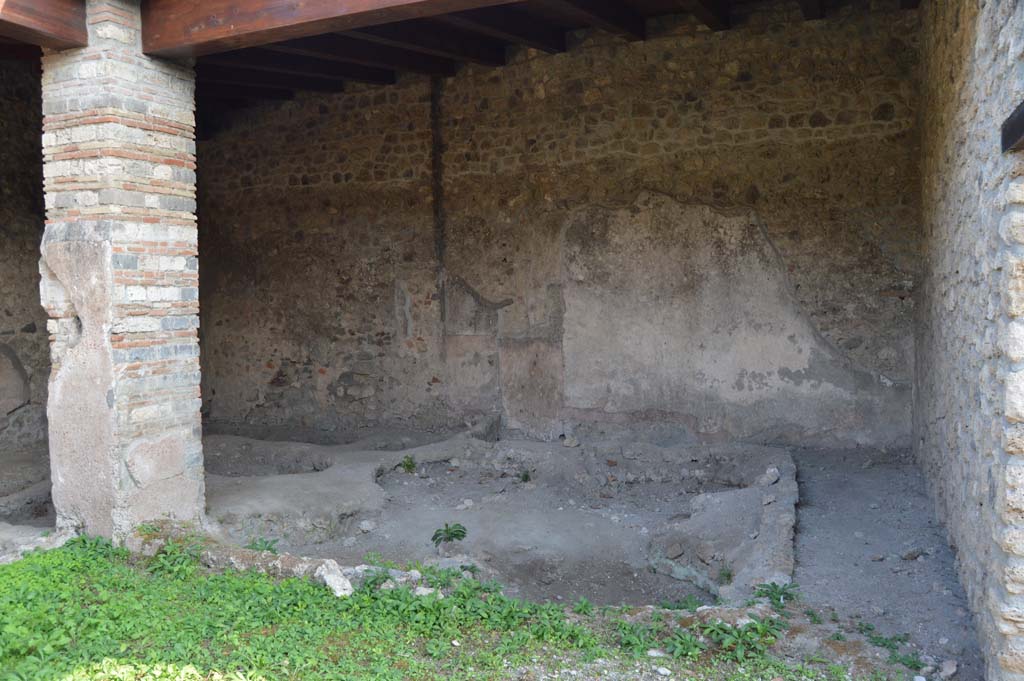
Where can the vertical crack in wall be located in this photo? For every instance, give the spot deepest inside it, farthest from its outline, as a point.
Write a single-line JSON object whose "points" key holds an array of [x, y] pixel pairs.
{"points": [[437, 192]]}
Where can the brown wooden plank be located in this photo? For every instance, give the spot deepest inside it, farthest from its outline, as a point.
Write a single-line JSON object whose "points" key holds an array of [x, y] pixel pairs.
{"points": [[910, 4], [613, 16], [176, 28], [335, 47], [275, 62], [437, 40], [812, 9], [59, 24], [226, 75], [510, 25]]}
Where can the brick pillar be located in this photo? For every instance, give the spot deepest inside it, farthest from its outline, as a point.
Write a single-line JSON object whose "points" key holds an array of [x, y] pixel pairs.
{"points": [[120, 280]]}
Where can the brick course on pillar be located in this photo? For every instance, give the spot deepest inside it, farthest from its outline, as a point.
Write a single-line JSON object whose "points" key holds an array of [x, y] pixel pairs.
{"points": [[120, 280]]}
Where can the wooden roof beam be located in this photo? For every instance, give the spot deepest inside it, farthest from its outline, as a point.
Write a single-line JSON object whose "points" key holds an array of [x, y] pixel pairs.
{"points": [[19, 51], [341, 48], [436, 40], [177, 28], [509, 25], [225, 75], [59, 24], [233, 93], [257, 59]]}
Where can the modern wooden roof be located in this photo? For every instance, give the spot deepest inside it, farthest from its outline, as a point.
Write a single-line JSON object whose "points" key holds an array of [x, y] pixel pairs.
{"points": [[268, 49]]}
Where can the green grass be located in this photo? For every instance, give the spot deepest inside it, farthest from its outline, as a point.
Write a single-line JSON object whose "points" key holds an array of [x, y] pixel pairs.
{"points": [[89, 611]]}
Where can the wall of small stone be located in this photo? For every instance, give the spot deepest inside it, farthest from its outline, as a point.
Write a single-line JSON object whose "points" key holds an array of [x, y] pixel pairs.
{"points": [[969, 397], [429, 253], [24, 351]]}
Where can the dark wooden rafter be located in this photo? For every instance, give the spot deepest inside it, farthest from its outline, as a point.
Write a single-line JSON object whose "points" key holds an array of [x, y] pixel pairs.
{"points": [[349, 50], [233, 93], [712, 13], [225, 75], [173, 28], [258, 59], [812, 9], [1013, 130], [910, 4], [19, 51], [436, 40], [511, 25], [59, 24], [614, 16]]}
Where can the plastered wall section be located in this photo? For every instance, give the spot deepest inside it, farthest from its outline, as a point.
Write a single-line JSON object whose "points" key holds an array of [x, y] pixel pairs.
{"points": [[411, 254]]}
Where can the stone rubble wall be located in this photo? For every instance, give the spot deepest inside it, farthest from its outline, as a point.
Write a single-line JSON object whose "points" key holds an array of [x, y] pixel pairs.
{"points": [[24, 353], [351, 285], [969, 395], [120, 280]]}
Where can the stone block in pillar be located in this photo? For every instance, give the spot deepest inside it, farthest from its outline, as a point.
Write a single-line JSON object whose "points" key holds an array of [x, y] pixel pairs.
{"points": [[120, 280]]}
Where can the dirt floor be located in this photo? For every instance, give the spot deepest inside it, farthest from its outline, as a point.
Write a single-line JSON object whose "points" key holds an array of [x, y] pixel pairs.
{"points": [[617, 523], [868, 545]]}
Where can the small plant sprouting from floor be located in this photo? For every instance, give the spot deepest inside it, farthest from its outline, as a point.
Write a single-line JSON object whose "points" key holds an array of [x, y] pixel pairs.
{"points": [[752, 640], [448, 534], [178, 559], [813, 616], [911, 660], [683, 643], [637, 638], [408, 464], [262, 544], [779, 595], [524, 476], [690, 603], [725, 576], [376, 559], [583, 607], [837, 636], [890, 643], [147, 531]]}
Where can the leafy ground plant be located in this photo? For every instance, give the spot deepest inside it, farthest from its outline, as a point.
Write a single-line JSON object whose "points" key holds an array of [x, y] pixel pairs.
{"points": [[178, 558], [751, 640], [262, 544], [91, 611], [583, 607], [448, 534], [779, 595], [686, 644]]}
